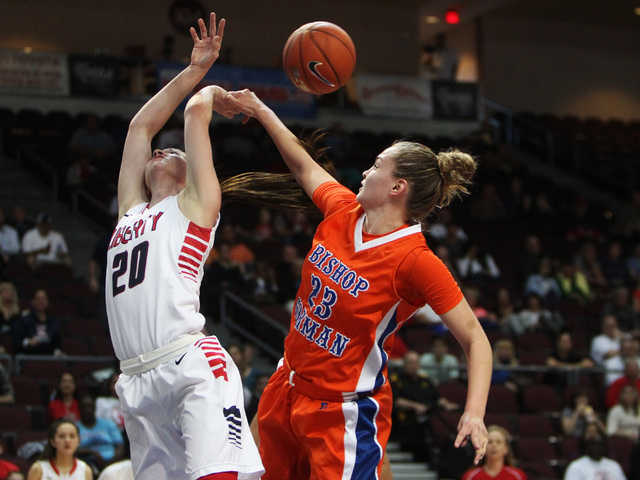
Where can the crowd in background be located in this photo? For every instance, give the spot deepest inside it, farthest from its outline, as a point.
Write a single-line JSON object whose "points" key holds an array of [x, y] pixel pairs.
{"points": [[553, 277]]}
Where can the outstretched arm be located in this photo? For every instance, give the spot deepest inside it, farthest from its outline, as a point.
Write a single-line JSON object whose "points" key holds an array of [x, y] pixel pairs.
{"points": [[154, 114], [306, 171], [200, 200], [465, 327]]}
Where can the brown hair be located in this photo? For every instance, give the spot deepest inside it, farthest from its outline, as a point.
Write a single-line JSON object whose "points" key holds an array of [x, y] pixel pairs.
{"points": [[49, 451], [278, 191], [434, 180], [509, 458]]}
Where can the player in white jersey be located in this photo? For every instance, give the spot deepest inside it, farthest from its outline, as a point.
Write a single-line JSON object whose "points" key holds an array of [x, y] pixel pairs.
{"points": [[180, 392], [58, 461]]}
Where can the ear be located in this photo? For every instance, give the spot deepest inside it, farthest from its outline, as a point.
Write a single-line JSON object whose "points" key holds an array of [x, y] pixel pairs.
{"points": [[399, 187]]}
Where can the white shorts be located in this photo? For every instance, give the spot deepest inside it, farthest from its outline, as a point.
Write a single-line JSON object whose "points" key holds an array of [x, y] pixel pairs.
{"points": [[185, 418]]}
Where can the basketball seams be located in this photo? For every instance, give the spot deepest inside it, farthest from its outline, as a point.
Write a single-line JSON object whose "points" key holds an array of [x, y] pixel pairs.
{"points": [[319, 45]]}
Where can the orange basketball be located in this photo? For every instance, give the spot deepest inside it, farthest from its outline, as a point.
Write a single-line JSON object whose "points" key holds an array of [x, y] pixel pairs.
{"points": [[319, 57]]}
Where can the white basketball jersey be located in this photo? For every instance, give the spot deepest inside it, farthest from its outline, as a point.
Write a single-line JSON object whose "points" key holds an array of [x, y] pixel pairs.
{"points": [[50, 472], [154, 269]]}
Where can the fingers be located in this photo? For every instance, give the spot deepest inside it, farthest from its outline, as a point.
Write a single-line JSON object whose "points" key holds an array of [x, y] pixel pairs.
{"points": [[212, 24], [220, 33], [203, 28]]}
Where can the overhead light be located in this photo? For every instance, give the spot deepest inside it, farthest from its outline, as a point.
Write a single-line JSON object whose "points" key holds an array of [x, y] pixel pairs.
{"points": [[27, 49], [637, 11], [431, 19]]}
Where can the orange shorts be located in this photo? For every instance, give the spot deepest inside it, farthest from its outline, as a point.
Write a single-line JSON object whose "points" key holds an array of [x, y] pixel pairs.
{"points": [[306, 438]]}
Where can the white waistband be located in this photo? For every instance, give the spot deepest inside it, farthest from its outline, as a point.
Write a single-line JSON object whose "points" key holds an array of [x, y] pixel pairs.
{"points": [[147, 361]]}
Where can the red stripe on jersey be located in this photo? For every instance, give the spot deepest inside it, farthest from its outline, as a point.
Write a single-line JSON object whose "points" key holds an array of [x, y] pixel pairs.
{"points": [[215, 356], [183, 258], [195, 243], [202, 233], [188, 269], [191, 252]]}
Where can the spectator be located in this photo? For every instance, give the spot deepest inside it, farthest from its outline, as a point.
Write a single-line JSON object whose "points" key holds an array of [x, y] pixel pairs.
{"points": [[15, 475], [261, 382], [505, 307], [9, 310], [593, 465], [487, 318], [239, 250], [7, 467], [439, 365], [9, 239], [629, 350], [499, 462], [573, 283], [504, 362], [108, 404], [529, 260], [37, 331], [414, 399], [565, 358], [576, 417], [587, 261], [624, 418], [606, 344], [544, 284], [20, 221], [237, 354], [614, 266], [535, 318], [439, 230], [631, 376], [64, 402], [621, 306], [58, 460], [42, 244], [6, 388], [477, 266], [101, 441]]}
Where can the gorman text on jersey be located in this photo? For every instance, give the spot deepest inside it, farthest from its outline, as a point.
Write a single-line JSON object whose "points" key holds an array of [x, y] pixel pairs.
{"points": [[323, 298]]}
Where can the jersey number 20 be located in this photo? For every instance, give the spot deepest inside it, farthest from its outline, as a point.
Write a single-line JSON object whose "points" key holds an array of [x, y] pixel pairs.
{"points": [[136, 267]]}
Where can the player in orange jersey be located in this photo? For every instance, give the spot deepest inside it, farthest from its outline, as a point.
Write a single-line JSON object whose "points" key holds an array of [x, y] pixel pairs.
{"points": [[326, 413]]}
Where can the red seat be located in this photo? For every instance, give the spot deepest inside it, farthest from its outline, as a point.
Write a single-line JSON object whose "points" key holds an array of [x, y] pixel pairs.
{"points": [[501, 400], [27, 390], [536, 448], [453, 391], [541, 398], [535, 425], [15, 418]]}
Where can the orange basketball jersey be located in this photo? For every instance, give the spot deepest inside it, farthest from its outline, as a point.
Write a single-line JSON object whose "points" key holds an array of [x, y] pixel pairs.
{"points": [[352, 301]]}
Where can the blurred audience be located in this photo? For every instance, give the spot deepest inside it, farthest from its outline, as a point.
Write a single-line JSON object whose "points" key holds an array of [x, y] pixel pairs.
{"points": [[438, 364], [499, 461], [37, 331], [64, 399], [42, 244], [624, 418]]}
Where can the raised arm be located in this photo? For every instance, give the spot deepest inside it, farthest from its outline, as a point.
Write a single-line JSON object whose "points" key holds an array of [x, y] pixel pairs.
{"points": [[154, 114], [304, 168], [465, 327], [200, 200]]}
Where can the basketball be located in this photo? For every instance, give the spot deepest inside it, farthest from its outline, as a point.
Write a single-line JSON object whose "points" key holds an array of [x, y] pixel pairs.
{"points": [[319, 57]]}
